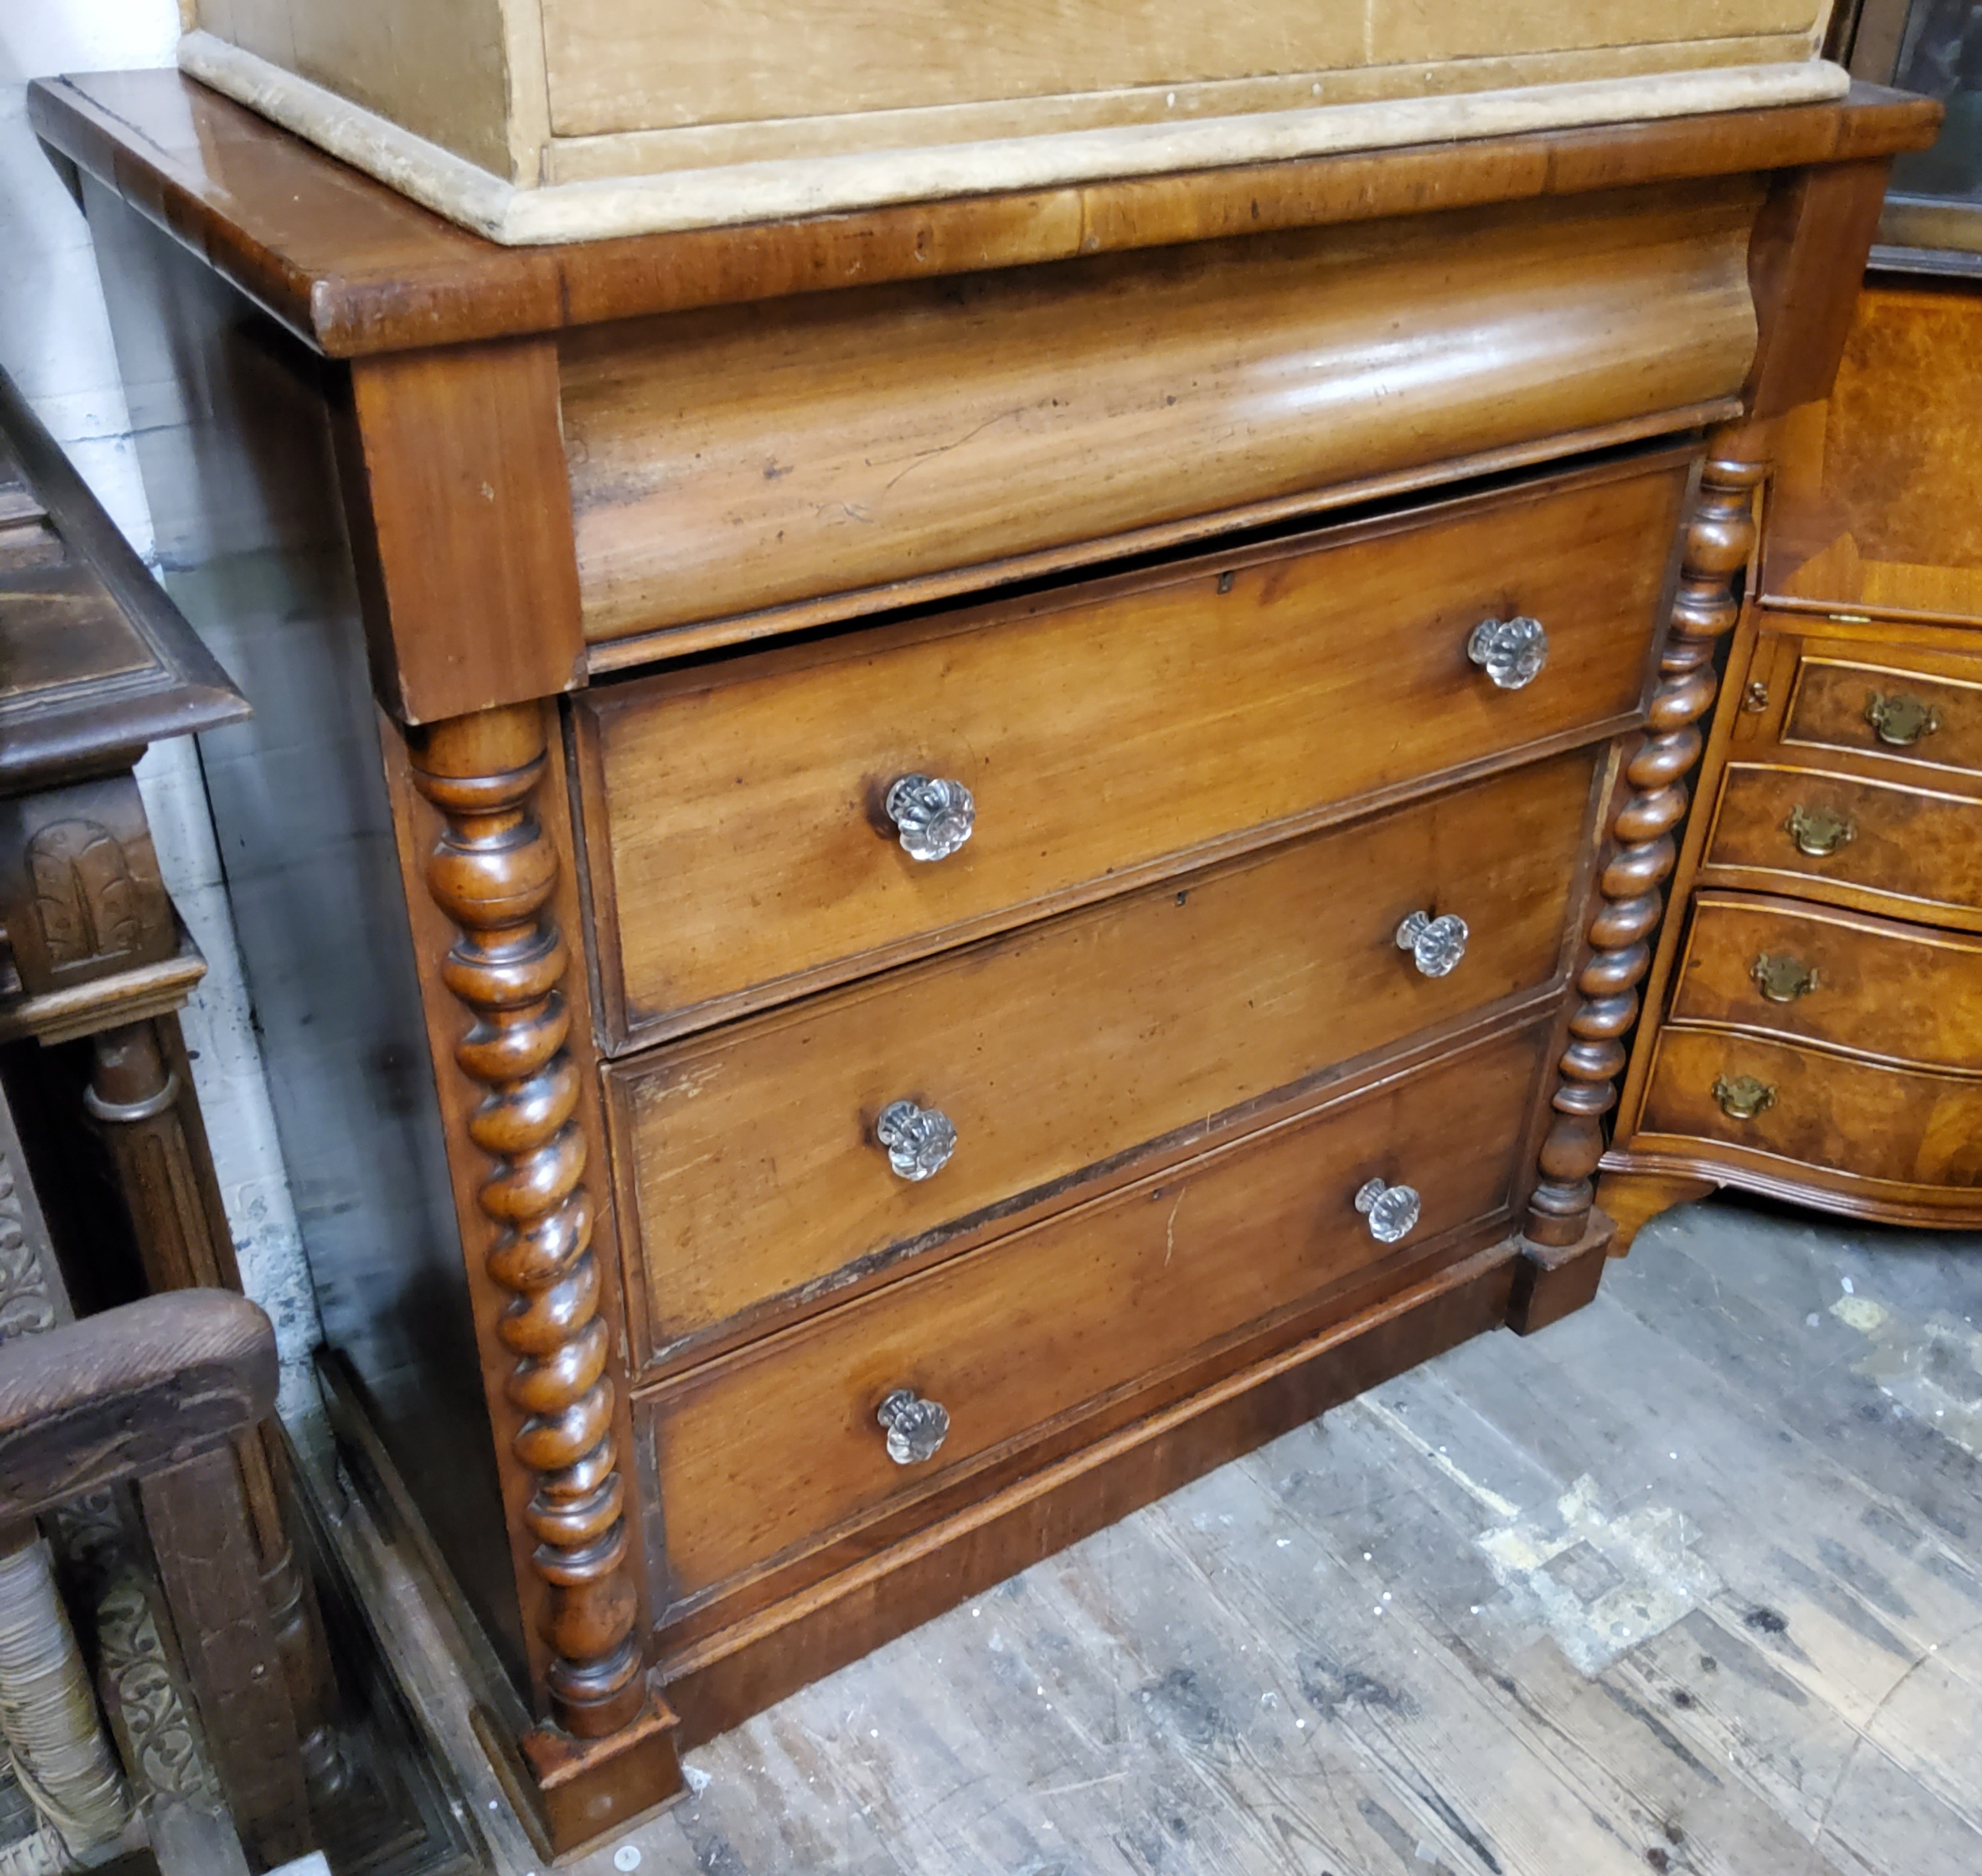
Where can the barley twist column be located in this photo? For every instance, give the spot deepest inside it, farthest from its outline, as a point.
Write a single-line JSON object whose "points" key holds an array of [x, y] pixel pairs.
{"points": [[1719, 538], [492, 873]]}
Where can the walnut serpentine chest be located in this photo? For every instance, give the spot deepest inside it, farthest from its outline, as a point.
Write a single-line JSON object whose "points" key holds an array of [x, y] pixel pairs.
{"points": [[910, 875]]}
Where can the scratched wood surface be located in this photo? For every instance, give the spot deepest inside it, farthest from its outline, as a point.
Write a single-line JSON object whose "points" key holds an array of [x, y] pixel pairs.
{"points": [[1690, 1583]]}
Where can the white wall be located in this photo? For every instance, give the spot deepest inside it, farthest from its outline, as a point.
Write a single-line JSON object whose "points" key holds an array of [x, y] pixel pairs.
{"points": [[55, 342]]}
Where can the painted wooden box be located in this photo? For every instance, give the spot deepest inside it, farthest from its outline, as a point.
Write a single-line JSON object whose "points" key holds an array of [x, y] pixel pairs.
{"points": [[538, 120]]}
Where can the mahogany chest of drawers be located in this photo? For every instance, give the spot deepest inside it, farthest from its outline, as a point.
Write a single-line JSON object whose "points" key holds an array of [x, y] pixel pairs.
{"points": [[908, 875]]}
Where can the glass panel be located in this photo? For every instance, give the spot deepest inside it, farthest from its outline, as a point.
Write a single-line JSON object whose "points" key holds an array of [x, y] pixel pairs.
{"points": [[1941, 55]]}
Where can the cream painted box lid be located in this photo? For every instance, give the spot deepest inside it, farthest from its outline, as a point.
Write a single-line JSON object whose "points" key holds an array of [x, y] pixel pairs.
{"points": [[534, 121]]}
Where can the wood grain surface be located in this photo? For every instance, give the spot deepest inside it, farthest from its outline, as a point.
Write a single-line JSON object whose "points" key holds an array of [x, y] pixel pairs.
{"points": [[1900, 993], [353, 267], [1837, 685], [462, 541], [1871, 512], [128, 1391], [1859, 1122], [751, 1176], [1914, 852], [1107, 1297], [1101, 730], [734, 461], [437, 68]]}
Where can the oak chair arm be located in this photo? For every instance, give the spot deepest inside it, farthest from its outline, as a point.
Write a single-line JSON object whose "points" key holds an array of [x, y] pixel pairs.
{"points": [[128, 1393]]}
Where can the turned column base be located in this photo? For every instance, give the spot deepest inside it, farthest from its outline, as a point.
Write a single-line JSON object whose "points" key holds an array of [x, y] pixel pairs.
{"points": [[1553, 1280], [572, 1792]]}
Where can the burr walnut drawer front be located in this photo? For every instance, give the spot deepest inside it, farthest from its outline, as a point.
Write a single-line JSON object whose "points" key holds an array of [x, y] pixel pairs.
{"points": [[1915, 706], [774, 1161], [1850, 840], [1897, 1127], [757, 826], [776, 1447], [1846, 980]]}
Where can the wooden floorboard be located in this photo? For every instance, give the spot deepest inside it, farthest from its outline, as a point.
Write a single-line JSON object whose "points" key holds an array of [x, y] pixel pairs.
{"points": [[1690, 1583]]}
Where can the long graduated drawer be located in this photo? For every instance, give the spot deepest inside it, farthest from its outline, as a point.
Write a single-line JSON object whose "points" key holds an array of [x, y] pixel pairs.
{"points": [[751, 1163], [1109, 1296], [1105, 734]]}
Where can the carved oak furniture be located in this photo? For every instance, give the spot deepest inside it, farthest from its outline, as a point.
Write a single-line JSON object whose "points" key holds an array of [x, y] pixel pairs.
{"points": [[95, 664], [911, 875], [160, 1393]]}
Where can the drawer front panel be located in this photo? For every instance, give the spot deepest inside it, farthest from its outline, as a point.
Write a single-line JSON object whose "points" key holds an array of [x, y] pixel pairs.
{"points": [[1883, 846], [1888, 709], [762, 1452], [1121, 733], [1895, 1126], [1900, 993], [803, 449], [755, 1171]]}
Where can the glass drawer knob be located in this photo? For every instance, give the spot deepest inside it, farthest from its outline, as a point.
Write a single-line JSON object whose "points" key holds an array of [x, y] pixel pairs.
{"points": [[916, 1428], [1392, 1210], [933, 816], [1436, 944], [919, 1140], [1510, 651]]}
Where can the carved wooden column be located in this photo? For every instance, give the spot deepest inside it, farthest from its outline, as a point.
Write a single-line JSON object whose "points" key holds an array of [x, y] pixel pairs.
{"points": [[492, 873], [141, 1096], [1719, 538]]}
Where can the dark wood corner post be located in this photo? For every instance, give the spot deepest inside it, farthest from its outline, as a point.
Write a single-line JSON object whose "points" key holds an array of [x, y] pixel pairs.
{"points": [[1720, 536], [492, 873], [607, 1752], [452, 463], [141, 1095], [1806, 256]]}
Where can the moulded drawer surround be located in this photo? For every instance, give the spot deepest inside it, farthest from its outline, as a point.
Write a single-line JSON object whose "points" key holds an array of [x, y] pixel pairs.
{"points": [[1106, 1297], [751, 1175], [1102, 733]]}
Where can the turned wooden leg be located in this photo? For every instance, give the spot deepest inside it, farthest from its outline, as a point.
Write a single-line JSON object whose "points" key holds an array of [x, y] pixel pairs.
{"points": [[609, 1751], [492, 873], [1642, 853], [140, 1093], [1634, 1198]]}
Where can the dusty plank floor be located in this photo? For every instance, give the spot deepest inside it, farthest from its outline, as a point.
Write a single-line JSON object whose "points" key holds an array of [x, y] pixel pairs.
{"points": [[1691, 1583]]}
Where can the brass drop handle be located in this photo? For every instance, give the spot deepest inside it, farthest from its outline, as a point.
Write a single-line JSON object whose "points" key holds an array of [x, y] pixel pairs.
{"points": [[1510, 651], [1900, 721], [916, 1428], [1392, 1210], [1744, 1097], [1783, 979], [1818, 832], [1436, 944], [932, 816], [919, 1140]]}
